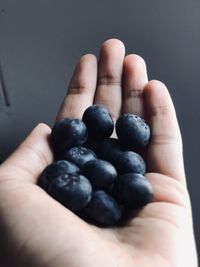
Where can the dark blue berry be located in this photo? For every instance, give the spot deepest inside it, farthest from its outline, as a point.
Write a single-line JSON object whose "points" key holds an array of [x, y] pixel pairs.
{"points": [[109, 150], [130, 161], [132, 131], [100, 173], [133, 190], [99, 122], [56, 169], [68, 132], [79, 155], [71, 190], [103, 209]]}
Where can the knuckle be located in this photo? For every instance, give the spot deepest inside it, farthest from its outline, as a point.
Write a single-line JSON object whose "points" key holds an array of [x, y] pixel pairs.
{"points": [[134, 93], [109, 79], [161, 110], [163, 139], [78, 87]]}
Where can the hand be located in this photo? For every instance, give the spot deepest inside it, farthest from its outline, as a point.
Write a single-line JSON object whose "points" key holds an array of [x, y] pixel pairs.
{"points": [[38, 231]]}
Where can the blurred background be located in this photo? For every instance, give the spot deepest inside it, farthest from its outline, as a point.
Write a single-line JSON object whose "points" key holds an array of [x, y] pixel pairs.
{"points": [[41, 41]]}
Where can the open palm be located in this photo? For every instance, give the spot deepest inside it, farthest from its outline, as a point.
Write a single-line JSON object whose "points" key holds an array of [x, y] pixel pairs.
{"points": [[38, 231]]}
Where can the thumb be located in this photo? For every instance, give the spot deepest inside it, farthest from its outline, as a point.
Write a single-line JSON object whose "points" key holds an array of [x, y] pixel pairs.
{"points": [[31, 157]]}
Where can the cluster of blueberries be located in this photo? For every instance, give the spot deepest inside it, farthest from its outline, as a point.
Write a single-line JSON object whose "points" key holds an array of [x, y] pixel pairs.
{"points": [[99, 178]]}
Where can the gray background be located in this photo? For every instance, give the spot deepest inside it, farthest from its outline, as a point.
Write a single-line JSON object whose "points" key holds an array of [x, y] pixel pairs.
{"points": [[41, 41]]}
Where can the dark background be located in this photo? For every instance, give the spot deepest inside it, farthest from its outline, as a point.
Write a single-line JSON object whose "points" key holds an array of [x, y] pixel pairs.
{"points": [[41, 41]]}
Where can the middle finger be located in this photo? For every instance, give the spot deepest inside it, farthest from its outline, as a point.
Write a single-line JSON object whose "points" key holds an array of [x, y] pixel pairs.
{"points": [[109, 78]]}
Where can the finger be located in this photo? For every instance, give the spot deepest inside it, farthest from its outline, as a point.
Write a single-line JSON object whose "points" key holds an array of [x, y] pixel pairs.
{"points": [[81, 89], [108, 90], [164, 154], [31, 157], [134, 80]]}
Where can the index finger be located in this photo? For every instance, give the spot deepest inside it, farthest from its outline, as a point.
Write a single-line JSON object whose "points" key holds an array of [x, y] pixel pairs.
{"points": [[81, 90]]}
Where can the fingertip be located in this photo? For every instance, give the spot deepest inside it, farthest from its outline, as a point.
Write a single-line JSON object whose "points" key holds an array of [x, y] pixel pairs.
{"points": [[42, 127], [157, 98], [113, 41], [134, 60], [114, 44], [155, 85], [39, 142], [41, 131], [90, 57], [39, 136], [86, 61]]}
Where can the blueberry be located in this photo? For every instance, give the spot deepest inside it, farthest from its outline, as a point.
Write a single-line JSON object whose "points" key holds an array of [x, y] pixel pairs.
{"points": [[100, 173], [99, 122], [109, 150], [130, 161], [56, 169], [68, 132], [103, 209], [74, 191], [132, 131], [133, 190], [79, 155]]}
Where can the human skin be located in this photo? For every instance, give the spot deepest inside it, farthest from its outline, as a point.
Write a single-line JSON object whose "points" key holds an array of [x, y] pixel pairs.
{"points": [[37, 231]]}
